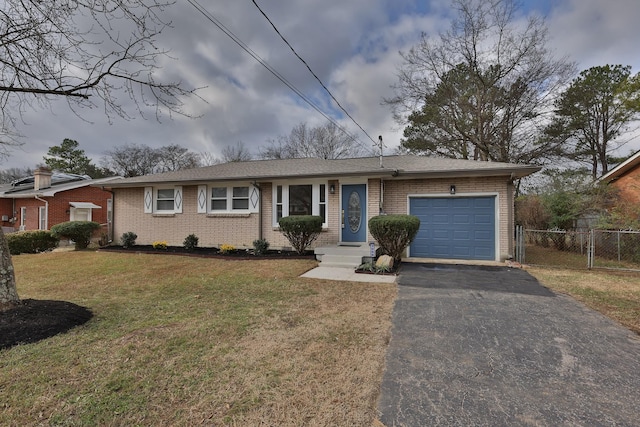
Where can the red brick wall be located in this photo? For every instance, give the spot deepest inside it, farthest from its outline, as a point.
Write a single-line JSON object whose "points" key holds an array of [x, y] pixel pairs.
{"points": [[629, 185], [59, 206], [6, 208]]}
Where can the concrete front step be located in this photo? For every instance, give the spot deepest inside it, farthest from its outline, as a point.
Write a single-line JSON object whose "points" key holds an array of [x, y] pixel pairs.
{"points": [[342, 256], [348, 261]]}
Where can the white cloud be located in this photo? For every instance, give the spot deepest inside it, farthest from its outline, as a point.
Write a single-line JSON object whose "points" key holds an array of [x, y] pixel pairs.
{"points": [[352, 46]]}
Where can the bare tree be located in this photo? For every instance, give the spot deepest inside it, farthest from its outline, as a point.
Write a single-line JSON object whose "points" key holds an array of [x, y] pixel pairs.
{"points": [[9, 175], [131, 160], [84, 52], [483, 89], [207, 158], [324, 142], [138, 159], [174, 157], [236, 153]]}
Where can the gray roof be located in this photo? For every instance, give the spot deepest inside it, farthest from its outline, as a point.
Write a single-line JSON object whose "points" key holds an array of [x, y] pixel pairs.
{"points": [[26, 191], [393, 167]]}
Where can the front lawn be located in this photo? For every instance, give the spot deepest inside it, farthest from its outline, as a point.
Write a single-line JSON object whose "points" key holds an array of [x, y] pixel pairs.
{"points": [[194, 341], [615, 294]]}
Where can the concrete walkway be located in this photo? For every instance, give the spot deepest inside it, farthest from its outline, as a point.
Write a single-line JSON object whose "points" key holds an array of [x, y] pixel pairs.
{"points": [[490, 346], [347, 275]]}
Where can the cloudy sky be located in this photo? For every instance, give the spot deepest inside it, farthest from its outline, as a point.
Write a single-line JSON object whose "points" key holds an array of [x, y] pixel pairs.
{"points": [[353, 46]]}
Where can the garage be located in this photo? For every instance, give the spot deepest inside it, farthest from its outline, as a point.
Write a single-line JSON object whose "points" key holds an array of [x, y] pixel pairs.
{"points": [[454, 227]]}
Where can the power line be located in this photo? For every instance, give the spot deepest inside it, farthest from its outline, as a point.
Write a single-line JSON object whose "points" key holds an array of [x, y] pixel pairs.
{"points": [[266, 65], [311, 71]]}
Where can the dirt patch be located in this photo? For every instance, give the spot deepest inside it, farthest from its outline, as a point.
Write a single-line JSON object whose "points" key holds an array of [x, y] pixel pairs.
{"points": [[34, 320]]}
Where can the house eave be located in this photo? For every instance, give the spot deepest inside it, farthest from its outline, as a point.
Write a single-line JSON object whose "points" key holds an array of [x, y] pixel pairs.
{"points": [[384, 173]]}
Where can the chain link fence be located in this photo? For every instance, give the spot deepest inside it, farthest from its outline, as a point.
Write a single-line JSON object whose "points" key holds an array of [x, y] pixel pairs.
{"points": [[579, 249]]}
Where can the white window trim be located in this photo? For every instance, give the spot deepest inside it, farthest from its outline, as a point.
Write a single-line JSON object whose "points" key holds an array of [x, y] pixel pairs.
{"points": [[315, 199], [204, 198], [42, 218], [150, 199], [23, 217]]}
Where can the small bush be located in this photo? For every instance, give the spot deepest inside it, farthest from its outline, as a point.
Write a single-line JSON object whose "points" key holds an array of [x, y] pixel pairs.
{"points": [[225, 248], [373, 268], [301, 230], [394, 233], [78, 231], [160, 244], [190, 242], [128, 239], [31, 242], [260, 246]]}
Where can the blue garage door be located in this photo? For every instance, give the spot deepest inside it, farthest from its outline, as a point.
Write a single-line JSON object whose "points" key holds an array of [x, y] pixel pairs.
{"points": [[454, 227]]}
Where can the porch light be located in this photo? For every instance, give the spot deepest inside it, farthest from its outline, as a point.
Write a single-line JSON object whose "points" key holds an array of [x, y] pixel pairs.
{"points": [[332, 189], [452, 189]]}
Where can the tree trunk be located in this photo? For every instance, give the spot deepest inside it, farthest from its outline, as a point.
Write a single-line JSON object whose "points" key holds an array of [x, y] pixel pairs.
{"points": [[8, 292]]}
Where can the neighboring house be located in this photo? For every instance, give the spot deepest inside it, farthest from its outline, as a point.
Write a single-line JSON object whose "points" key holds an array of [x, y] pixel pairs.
{"points": [[626, 178], [46, 199], [465, 207]]}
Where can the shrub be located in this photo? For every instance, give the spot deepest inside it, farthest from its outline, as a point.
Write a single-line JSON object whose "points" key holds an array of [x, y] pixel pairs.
{"points": [[190, 242], [373, 268], [225, 248], [394, 233], [128, 239], [260, 246], [301, 230], [31, 242], [78, 231], [160, 244]]}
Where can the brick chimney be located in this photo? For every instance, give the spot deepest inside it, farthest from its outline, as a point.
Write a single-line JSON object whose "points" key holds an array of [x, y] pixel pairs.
{"points": [[42, 178]]}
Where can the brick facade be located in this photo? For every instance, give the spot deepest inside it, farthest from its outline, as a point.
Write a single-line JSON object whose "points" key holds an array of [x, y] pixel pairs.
{"points": [[628, 185], [396, 195], [241, 230], [58, 207]]}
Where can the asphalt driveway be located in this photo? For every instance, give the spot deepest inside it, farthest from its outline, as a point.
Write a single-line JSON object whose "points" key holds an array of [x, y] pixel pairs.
{"points": [[490, 346]]}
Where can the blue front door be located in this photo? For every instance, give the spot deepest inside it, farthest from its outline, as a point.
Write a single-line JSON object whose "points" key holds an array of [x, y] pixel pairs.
{"points": [[354, 214]]}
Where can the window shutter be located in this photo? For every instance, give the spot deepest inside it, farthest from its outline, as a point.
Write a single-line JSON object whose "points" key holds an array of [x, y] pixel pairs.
{"points": [[202, 199], [148, 199], [254, 199], [177, 203]]}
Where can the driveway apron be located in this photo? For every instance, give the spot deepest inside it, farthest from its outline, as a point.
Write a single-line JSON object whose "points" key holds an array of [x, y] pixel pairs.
{"points": [[490, 346]]}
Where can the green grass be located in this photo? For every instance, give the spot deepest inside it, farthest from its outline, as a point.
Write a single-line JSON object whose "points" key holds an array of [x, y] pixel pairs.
{"points": [[190, 341], [615, 294]]}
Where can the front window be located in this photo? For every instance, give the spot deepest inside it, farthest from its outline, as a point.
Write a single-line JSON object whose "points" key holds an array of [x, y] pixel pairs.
{"points": [[165, 199], [301, 199], [240, 198], [229, 199], [219, 199]]}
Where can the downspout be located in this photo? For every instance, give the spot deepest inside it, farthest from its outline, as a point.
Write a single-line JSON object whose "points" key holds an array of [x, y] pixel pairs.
{"points": [[381, 210], [14, 213], [46, 208]]}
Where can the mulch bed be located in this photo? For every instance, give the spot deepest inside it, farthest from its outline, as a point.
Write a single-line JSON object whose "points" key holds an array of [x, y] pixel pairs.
{"points": [[204, 252], [33, 320]]}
